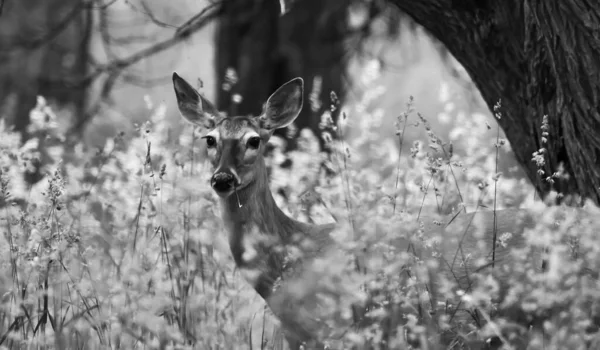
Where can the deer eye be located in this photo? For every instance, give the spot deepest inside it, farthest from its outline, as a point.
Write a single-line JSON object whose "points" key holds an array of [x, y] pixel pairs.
{"points": [[210, 141], [254, 142]]}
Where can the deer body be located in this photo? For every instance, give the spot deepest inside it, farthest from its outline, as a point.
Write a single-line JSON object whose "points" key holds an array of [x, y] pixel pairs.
{"points": [[261, 237], [253, 215], [268, 246], [265, 243]]}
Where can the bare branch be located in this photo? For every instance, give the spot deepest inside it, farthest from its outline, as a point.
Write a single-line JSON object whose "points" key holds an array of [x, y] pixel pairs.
{"points": [[115, 67], [148, 12], [191, 25], [196, 23], [105, 35]]}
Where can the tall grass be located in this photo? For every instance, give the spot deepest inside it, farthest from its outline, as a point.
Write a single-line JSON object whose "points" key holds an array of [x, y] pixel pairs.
{"points": [[124, 247]]}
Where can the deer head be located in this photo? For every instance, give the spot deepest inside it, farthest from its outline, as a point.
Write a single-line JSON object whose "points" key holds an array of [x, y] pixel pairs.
{"points": [[235, 144]]}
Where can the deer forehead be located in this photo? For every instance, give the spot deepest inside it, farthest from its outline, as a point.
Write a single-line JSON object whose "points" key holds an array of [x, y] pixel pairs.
{"points": [[237, 128]]}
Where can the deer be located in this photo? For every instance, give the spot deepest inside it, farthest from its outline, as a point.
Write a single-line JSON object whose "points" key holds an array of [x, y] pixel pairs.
{"points": [[264, 240]]}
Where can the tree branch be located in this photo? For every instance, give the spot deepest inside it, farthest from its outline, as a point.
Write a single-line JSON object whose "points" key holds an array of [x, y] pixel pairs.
{"points": [[193, 25], [115, 67], [148, 12]]}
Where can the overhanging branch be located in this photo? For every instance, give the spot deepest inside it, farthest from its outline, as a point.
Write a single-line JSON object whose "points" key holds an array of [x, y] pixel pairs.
{"points": [[115, 67], [196, 23]]}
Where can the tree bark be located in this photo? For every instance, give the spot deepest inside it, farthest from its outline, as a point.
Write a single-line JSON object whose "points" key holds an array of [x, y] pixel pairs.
{"points": [[539, 58], [267, 50]]}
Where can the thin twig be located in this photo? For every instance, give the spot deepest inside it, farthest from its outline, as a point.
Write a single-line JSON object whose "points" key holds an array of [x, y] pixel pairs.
{"points": [[148, 12], [400, 144], [498, 115]]}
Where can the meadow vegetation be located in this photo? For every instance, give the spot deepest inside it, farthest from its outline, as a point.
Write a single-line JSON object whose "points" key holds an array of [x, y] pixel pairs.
{"points": [[124, 247]]}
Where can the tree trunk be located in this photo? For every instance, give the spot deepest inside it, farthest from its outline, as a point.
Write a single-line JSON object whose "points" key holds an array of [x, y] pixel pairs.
{"points": [[267, 50], [539, 58]]}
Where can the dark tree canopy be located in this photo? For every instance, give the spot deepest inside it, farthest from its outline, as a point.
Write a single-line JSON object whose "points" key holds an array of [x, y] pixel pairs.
{"points": [[539, 58]]}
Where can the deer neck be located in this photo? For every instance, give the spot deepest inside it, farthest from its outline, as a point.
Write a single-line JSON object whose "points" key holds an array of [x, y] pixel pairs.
{"points": [[259, 232]]}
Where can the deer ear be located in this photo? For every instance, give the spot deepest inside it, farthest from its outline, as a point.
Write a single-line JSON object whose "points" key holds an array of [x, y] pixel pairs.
{"points": [[284, 105], [193, 107]]}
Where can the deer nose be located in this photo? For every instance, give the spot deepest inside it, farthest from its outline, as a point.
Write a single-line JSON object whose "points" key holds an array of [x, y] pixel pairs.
{"points": [[222, 181]]}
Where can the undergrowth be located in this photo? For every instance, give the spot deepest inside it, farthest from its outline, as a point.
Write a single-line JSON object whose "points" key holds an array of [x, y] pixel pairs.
{"points": [[123, 247]]}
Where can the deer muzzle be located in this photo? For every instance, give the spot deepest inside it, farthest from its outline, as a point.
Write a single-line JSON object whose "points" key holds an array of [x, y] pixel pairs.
{"points": [[223, 182]]}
